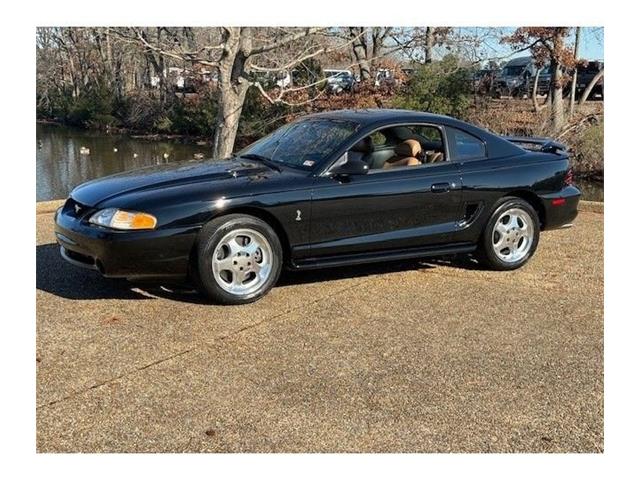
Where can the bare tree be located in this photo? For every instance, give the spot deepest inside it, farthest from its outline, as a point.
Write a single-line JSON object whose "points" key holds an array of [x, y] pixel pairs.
{"points": [[367, 44], [547, 44], [359, 46], [378, 37], [534, 92], [231, 56], [429, 41], [574, 77]]}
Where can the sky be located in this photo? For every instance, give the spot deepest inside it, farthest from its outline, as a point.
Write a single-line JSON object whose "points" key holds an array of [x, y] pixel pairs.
{"points": [[591, 42]]}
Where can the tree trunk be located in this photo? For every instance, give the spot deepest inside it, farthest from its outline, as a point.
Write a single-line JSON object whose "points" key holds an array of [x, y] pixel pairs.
{"points": [[592, 83], [555, 88], [378, 35], [232, 89], [158, 65], [360, 51], [574, 79], [557, 108], [534, 92], [227, 120], [428, 45]]}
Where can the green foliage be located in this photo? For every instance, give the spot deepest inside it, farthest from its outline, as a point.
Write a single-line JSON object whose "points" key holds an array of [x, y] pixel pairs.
{"points": [[163, 125], [102, 120], [442, 87], [92, 108], [192, 116]]}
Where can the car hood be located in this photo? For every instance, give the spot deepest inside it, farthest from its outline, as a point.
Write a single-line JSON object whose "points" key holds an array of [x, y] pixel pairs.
{"points": [[168, 175]]}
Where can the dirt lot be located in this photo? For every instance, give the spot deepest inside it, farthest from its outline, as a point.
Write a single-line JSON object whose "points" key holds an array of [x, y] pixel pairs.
{"points": [[406, 357]]}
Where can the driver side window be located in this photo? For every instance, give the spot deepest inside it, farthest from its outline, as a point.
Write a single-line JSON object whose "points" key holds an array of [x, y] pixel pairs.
{"points": [[401, 146]]}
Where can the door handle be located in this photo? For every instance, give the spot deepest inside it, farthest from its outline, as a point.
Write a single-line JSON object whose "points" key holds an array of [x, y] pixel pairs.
{"points": [[441, 187]]}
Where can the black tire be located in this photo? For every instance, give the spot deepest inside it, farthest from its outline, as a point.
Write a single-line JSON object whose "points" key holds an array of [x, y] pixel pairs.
{"points": [[209, 238], [486, 253]]}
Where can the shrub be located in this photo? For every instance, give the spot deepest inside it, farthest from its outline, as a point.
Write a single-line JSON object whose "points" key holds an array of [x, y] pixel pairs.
{"points": [[442, 87], [92, 107], [163, 124], [194, 115], [140, 111], [102, 120], [589, 150]]}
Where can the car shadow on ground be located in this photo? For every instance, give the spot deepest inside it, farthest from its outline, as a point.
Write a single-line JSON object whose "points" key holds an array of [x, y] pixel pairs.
{"points": [[54, 275]]}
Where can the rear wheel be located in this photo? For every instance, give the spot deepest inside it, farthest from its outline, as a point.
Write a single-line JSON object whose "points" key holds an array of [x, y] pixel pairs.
{"points": [[511, 235], [239, 258]]}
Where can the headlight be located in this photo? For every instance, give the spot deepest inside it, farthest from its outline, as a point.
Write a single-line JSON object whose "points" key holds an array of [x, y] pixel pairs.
{"points": [[123, 220]]}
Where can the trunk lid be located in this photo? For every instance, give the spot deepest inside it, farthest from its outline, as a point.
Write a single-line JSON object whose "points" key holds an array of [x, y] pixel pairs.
{"points": [[538, 144]]}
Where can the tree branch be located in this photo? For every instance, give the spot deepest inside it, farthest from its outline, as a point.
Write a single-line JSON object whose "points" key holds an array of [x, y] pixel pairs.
{"points": [[283, 41], [302, 58]]}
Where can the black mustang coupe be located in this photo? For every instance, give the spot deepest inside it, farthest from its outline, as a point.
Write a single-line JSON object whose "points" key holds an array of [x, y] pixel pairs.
{"points": [[336, 188]]}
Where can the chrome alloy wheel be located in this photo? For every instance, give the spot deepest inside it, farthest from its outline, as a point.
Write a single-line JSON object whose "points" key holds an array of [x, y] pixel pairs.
{"points": [[242, 261], [513, 235]]}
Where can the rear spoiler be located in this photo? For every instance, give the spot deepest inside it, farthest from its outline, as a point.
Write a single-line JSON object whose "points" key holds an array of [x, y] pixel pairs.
{"points": [[545, 144]]}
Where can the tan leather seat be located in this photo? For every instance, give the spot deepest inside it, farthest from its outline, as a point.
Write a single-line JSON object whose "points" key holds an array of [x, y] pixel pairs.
{"points": [[406, 154], [362, 150]]}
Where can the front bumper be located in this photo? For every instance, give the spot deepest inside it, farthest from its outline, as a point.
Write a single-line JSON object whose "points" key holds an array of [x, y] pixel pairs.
{"points": [[162, 253]]}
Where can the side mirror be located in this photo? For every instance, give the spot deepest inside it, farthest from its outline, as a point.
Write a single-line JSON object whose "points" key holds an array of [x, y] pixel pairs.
{"points": [[350, 166]]}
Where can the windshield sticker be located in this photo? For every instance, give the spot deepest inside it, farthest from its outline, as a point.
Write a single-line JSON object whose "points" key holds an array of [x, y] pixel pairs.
{"points": [[308, 163]]}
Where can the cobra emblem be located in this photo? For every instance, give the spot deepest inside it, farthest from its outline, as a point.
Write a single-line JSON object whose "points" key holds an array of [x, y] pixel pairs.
{"points": [[298, 215]]}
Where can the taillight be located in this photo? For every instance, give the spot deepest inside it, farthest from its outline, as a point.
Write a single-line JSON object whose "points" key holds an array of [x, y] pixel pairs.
{"points": [[568, 177]]}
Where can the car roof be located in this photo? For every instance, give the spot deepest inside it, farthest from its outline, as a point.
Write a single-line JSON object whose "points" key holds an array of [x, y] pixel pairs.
{"points": [[367, 116], [518, 61]]}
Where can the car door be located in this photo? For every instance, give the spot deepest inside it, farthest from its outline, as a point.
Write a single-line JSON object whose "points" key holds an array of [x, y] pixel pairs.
{"points": [[385, 209]]}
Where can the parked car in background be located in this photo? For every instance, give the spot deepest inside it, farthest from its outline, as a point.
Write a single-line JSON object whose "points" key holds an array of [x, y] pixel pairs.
{"points": [[283, 79], [586, 72], [384, 77], [339, 80], [513, 80], [331, 189]]}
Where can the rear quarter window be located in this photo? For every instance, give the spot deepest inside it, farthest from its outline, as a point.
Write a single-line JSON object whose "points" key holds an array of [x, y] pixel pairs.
{"points": [[465, 146]]}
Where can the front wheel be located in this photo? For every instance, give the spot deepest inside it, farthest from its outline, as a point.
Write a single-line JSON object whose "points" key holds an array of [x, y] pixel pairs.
{"points": [[511, 235], [239, 258]]}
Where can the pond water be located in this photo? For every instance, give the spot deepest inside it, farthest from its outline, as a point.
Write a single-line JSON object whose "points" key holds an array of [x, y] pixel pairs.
{"points": [[61, 165]]}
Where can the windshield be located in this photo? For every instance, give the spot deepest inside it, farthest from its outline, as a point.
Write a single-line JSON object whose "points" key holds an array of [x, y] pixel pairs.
{"points": [[303, 144]]}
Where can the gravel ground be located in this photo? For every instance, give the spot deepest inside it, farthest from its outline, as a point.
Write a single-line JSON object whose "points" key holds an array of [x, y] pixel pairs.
{"points": [[423, 356]]}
